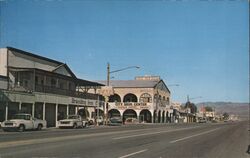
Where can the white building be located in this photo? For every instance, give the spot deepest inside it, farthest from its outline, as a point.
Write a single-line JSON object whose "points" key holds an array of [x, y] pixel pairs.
{"points": [[43, 87], [146, 98]]}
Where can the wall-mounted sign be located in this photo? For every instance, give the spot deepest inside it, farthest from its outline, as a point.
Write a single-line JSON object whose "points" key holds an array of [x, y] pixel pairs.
{"points": [[78, 101], [130, 104]]}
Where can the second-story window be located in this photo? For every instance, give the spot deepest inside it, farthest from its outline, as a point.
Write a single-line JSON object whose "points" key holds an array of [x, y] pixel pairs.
{"points": [[70, 86], [146, 98], [53, 82]]}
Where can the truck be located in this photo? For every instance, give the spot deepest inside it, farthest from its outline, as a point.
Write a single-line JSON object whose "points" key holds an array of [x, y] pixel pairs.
{"points": [[22, 122], [73, 121]]}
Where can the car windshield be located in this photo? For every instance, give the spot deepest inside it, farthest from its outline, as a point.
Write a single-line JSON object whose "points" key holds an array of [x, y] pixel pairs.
{"points": [[25, 117], [72, 117]]}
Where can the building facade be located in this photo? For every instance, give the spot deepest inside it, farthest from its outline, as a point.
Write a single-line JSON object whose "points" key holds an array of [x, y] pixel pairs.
{"points": [[146, 98], [45, 88]]}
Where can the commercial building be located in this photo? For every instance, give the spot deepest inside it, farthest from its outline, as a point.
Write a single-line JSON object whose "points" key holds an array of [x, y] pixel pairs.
{"points": [[43, 87], [146, 98]]}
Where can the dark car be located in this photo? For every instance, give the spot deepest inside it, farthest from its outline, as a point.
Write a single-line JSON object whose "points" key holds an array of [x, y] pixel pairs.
{"points": [[115, 121]]}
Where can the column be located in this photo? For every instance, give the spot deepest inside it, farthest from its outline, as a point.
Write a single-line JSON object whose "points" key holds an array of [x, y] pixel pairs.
{"points": [[67, 112], [20, 106], [33, 110], [43, 110], [56, 113], [6, 112], [76, 109]]}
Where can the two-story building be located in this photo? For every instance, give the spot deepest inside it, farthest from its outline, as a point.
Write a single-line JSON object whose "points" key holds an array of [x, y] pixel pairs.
{"points": [[43, 87], [146, 98]]}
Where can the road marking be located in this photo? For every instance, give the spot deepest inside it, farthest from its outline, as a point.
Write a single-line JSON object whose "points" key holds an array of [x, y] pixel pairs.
{"points": [[144, 134], [138, 152], [61, 138], [174, 141]]}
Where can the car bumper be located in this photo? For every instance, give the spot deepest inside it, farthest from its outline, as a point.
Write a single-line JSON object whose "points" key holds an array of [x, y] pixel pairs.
{"points": [[10, 128], [65, 126]]}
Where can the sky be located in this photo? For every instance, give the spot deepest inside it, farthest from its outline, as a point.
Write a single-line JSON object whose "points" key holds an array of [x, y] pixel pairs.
{"points": [[201, 45]]}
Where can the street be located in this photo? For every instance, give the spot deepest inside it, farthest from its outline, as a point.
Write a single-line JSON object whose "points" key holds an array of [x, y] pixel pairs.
{"points": [[208, 140]]}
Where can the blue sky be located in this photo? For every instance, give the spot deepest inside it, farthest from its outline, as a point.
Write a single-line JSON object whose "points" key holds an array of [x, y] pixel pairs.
{"points": [[200, 45]]}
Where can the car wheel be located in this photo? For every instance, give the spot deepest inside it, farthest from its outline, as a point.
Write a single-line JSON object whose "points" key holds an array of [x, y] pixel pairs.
{"points": [[39, 127], [21, 128]]}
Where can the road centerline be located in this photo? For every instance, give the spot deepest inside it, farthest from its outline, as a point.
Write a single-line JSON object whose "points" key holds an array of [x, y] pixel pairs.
{"points": [[134, 153], [195, 135]]}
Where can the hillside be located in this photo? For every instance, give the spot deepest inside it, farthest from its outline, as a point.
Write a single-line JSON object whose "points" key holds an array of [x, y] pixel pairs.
{"points": [[241, 109]]}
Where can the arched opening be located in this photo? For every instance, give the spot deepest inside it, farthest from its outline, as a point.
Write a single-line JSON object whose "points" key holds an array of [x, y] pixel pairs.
{"points": [[163, 117], [114, 113], [83, 113], [114, 98], [159, 116], [155, 114], [129, 113], [167, 117], [99, 112], [145, 116], [145, 98], [130, 98]]}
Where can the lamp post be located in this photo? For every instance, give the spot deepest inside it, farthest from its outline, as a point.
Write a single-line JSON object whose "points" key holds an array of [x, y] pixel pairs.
{"points": [[110, 72], [108, 82]]}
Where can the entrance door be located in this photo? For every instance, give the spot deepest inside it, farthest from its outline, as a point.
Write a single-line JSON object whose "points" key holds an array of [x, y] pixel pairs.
{"points": [[50, 115]]}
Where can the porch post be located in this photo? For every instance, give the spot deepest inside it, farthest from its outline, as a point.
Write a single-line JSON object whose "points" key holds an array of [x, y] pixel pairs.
{"points": [[20, 106], [67, 112], [33, 109], [43, 110], [56, 114], [6, 112]]}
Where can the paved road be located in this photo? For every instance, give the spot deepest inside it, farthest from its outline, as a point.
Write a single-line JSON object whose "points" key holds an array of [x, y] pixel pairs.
{"points": [[222, 140]]}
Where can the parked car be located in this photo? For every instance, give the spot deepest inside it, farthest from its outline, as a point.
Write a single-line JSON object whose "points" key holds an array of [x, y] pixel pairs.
{"points": [[73, 121], [22, 122], [131, 121], [115, 121], [202, 120]]}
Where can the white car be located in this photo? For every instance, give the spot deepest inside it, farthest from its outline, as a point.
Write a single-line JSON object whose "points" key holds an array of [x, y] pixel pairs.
{"points": [[73, 121], [22, 122]]}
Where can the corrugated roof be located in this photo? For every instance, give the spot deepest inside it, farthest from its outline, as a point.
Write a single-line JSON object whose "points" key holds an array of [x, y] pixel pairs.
{"points": [[131, 83]]}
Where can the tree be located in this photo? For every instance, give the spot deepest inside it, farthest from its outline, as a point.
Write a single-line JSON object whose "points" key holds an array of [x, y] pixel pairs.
{"points": [[192, 107], [225, 116], [209, 108]]}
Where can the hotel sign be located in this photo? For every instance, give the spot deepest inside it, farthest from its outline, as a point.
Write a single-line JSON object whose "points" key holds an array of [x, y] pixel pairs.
{"points": [[79, 101]]}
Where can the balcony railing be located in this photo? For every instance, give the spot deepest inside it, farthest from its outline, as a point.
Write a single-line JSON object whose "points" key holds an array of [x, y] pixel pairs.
{"points": [[55, 90]]}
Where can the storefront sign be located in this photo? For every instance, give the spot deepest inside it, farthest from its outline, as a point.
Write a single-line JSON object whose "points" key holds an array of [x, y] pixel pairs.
{"points": [[135, 106], [78, 101], [130, 104]]}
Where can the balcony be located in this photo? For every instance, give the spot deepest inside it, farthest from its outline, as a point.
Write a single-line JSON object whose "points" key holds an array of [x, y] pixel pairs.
{"points": [[55, 90]]}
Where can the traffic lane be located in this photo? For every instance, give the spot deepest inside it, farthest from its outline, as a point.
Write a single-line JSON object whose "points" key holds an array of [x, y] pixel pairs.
{"points": [[93, 146], [129, 133], [229, 141], [55, 132]]}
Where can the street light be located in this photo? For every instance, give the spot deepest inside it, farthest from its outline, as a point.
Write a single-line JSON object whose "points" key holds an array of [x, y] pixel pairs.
{"points": [[109, 72], [108, 80]]}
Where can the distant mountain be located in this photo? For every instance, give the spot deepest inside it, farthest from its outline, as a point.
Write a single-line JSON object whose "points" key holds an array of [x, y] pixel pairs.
{"points": [[240, 109]]}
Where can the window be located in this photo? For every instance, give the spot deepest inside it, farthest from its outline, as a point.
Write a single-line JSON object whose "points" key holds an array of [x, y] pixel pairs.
{"points": [[146, 98], [53, 82], [36, 79], [69, 86]]}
